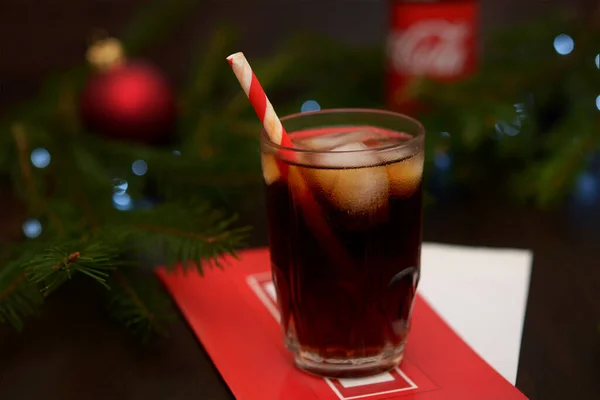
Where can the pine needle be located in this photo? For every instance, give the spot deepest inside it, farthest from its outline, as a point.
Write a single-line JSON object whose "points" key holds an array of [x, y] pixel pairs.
{"points": [[193, 234], [140, 304], [19, 298], [56, 265]]}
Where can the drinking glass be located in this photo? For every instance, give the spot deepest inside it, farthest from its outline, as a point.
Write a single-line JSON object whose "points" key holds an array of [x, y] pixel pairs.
{"points": [[344, 211]]}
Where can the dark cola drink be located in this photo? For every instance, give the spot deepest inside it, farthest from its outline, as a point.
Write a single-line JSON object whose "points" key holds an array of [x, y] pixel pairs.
{"points": [[344, 216]]}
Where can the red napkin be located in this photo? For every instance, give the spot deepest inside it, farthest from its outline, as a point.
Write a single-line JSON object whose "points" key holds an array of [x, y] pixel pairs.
{"points": [[230, 309]]}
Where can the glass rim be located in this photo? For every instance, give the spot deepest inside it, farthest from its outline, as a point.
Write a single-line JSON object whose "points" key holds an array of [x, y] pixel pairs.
{"points": [[408, 143]]}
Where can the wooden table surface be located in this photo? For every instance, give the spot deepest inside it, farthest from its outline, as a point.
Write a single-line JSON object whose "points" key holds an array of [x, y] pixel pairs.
{"points": [[73, 352]]}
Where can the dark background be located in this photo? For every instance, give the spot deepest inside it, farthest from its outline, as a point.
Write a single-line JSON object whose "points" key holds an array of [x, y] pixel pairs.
{"points": [[72, 352], [37, 37]]}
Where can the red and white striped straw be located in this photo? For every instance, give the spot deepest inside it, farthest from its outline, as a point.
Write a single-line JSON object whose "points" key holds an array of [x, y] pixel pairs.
{"points": [[259, 100]]}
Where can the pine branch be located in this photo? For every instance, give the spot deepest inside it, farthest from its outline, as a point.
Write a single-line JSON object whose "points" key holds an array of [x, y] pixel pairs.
{"points": [[549, 180], [527, 119], [85, 184], [56, 265], [140, 304], [34, 198], [19, 298], [20, 137], [194, 234]]}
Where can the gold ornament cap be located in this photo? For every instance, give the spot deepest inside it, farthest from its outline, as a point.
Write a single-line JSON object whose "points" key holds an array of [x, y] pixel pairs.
{"points": [[105, 54]]}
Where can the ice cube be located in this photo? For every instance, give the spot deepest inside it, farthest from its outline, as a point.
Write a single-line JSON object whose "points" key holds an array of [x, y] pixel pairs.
{"points": [[270, 168], [332, 141], [353, 190], [315, 217], [404, 176], [349, 155]]}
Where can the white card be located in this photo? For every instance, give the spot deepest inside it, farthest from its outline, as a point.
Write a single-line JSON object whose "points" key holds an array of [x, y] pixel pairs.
{"points": [[482, 294]]}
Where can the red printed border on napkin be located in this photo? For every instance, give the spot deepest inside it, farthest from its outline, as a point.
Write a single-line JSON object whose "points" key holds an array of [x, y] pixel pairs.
{"points": [[231, 308], [371, 388]]}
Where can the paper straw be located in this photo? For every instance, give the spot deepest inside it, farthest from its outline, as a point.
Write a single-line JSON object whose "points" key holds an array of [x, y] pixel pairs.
{"points": [[265, 112], [259, 100]]}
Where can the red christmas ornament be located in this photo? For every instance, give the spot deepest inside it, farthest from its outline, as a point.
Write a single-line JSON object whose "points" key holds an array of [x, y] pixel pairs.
{"points": [[126, 100]]}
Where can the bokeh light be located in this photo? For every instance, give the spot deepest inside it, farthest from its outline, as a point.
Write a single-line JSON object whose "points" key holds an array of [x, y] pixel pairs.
{"points": [[598, 102], [564, 44], [139, 167], [442, 161], [176, 153], [310, 105], [32, 228], [504, 128], [120, 185], [598, 61], [445, 134], [122, 201], [40, 157], [586, 188]]}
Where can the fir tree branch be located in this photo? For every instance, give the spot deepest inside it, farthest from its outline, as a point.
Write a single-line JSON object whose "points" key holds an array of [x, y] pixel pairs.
{"points": [[133, 296], [219, 179], [574, 160], [19, 298], [12, 286], [549, 180], [169, 231], [36, 203], [54, 266], [140, 304], [175, 233], [20, 138], [88, 184]]}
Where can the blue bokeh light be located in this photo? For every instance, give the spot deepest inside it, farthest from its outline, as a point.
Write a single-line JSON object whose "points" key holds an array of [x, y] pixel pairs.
{"points": [[40, 157], [139, 167], [598, 61], [445, 134], [564, 44], [32, 228], [176, 153], [120, 185], [598, 102], [586, 188], [122, 201], [503, 127], [442, 161], [310, 105]]}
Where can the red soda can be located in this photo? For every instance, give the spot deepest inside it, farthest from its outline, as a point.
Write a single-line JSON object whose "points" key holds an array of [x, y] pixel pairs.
{"points": [[434, 39]]}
